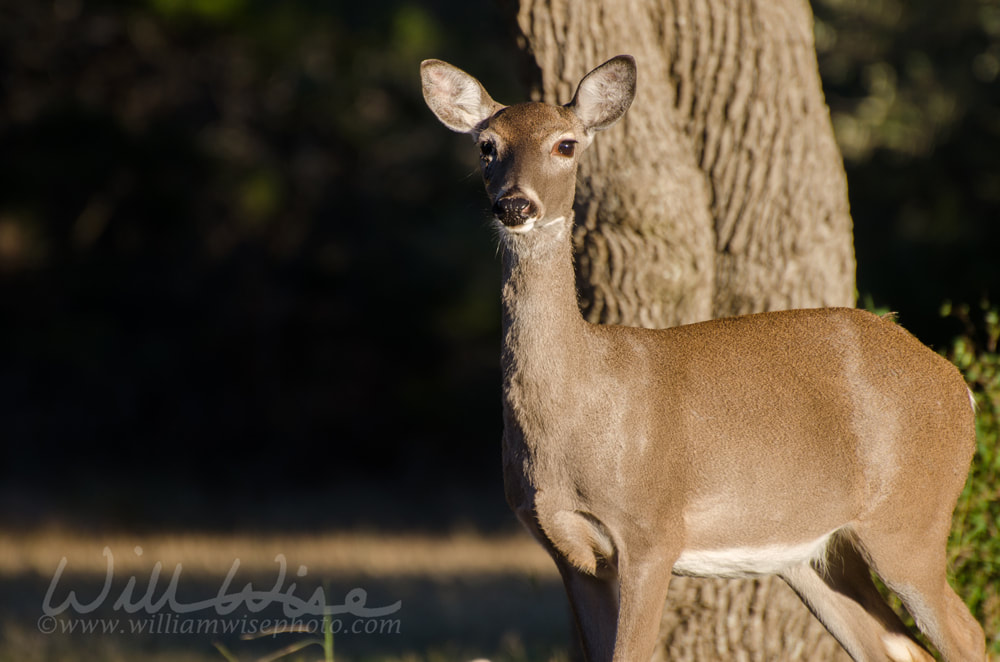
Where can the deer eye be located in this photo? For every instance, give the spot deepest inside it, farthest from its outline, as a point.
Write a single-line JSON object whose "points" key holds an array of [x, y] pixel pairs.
{"points": [[565, 148], [487, 150]]}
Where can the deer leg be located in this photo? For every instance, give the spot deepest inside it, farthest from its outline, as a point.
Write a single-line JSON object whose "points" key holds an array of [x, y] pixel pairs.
{"points": [[643, 588], [841, 594], [915, 569], [594, 603]]}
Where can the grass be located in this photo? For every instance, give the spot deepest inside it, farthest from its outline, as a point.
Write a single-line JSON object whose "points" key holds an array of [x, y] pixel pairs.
{"points": [[326, 642]]}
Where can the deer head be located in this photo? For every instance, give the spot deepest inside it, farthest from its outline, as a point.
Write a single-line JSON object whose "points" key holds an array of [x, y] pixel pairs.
{"points": [[529, 151]]}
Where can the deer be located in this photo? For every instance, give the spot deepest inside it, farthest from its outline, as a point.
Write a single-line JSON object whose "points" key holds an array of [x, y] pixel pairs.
{"points": [[818, 445]]}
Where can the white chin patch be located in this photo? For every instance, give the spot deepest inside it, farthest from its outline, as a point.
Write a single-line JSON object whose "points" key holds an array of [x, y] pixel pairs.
{"points": [[531, 224], [523, 228]]}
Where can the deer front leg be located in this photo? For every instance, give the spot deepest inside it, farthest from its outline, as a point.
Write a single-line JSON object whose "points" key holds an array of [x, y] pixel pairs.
{"points": [[616, 583], [643, 587], [594, 603], [583, 551]]}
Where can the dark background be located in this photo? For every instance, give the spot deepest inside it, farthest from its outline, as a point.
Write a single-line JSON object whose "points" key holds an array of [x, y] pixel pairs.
{"points": [[246, 279]]}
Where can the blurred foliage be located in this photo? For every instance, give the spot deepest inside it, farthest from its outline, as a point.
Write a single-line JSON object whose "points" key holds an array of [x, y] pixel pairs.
{"points": [[914, 93], [974, 549], [237, 253]]}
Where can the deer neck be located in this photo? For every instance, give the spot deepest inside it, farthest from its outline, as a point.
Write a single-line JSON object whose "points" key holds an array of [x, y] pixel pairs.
{"points": [[543, 330]]}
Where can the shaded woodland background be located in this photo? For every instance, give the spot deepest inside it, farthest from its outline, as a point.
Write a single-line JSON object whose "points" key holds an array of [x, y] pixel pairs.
{"points": [[247, 279]]}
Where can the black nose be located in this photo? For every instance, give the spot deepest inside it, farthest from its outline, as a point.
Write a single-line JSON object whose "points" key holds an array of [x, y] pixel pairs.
{"points": [[513, 210]]}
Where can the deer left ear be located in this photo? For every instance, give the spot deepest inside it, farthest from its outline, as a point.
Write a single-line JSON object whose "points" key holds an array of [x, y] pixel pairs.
{"points": [[605, 93]]}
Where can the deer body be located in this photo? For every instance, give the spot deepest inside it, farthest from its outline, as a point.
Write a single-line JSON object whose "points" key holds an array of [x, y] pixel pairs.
{"points": [[812, 444]]}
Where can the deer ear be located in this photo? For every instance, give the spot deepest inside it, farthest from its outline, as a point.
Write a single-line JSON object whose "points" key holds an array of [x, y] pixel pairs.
{"points": [[459, 100], [605, 93]]}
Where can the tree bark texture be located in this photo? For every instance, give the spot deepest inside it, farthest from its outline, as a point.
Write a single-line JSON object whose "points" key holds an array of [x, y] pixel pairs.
{"points": [[747, 621], [721, 192]]}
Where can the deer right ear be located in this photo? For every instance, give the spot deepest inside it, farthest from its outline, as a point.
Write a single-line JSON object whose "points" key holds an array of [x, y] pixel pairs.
{"points": [[459, 100], [605, 93]]}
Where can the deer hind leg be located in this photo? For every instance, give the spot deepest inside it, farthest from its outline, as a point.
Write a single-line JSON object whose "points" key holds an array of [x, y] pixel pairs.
{"points": [[840, 592], [915, 569]]}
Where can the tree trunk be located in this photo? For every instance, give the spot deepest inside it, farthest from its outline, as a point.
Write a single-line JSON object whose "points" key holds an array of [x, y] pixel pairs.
{"points": [[722, 192]]}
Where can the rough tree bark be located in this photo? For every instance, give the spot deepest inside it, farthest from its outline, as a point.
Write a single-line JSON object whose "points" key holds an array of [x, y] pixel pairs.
{"points": [[722, 192]]}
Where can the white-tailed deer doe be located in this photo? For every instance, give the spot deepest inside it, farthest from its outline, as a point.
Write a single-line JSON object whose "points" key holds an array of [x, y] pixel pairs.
{"points": [[811, 444]]}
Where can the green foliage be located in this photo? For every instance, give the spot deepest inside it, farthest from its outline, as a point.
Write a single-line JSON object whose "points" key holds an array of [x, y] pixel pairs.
{"points": [[974, 549], [206, 10], [868, 303], [414, 31]]}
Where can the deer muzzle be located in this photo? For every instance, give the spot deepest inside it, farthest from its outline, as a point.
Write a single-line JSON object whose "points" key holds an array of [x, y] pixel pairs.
{"points": [[514, 210]]}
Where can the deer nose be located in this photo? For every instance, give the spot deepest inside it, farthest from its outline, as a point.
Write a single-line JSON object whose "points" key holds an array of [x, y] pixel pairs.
{"points": [[513, 210]]}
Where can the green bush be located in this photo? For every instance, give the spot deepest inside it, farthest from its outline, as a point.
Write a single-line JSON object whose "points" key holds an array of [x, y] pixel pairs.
{"points": [[974, 548]]}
